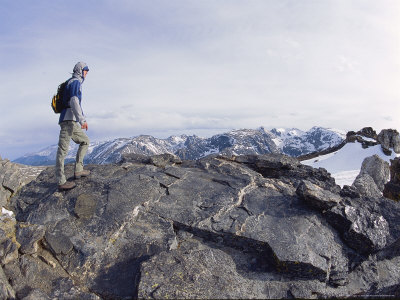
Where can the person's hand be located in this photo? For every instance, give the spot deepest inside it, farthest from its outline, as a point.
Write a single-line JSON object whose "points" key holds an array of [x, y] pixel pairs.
{"points": [[85, 126]]}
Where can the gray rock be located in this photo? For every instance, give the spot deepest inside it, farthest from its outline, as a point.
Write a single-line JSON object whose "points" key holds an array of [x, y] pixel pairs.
{"points": [[376, 278], [390, 252], [255, 210], [190, 276], [317, 197], [8, 243], [389, 209], [388, 278], [13, 177], [64, 288], [163, 160], [6, 290], [58, 242], [30, 273], [8, 251], [392, 188], [85, 206], [101, 244], [392, 191], [36, 295], [378, 169], [28, 236], [366, 186], [395, 170], [362, 230], [288, 169], [349, 192], [389, 138], [4, 196], [190, 271], [233, 227], [368, 132]]}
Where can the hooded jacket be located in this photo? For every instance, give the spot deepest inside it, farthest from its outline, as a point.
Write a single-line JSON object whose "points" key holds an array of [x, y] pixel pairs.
{"points": [[73, 96]]}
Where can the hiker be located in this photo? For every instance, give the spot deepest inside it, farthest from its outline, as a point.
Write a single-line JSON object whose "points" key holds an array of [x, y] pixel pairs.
{"points": [[72, 122]]}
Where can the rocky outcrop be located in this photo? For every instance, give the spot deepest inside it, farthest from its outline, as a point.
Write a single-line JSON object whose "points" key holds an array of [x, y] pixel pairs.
{"points": [[378, 169], [13, 176], [220, 227], [374, 174], [389, 139], [392, 188], [368, 132], [366, 186], [367, 137]]}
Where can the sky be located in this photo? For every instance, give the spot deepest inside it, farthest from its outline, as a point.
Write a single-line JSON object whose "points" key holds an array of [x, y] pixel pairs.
{"points": [[172, 67]]}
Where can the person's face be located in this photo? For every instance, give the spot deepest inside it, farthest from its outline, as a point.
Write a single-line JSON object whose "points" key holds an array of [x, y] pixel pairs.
{"points": [[84, 73]]}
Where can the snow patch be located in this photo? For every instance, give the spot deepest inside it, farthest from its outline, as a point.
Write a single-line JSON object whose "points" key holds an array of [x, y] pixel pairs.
{"points": [[345, 177], [345, 164]]}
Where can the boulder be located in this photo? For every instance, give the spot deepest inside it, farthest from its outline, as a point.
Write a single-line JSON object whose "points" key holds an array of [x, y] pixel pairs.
{"points": [[367, 137], [363, 230], [378, 169], [389, 138], [368, 132], [374, 174], [317, 197], [366, 186], [392, 188], [13, 177]]}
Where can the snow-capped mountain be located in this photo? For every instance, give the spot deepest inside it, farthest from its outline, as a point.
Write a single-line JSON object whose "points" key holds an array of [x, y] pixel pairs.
{"points": [[293, 142], [235, 142]]}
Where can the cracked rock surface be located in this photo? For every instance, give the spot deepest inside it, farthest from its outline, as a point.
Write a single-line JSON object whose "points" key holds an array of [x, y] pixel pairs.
{"points": [[14, 176], [220, 227]]}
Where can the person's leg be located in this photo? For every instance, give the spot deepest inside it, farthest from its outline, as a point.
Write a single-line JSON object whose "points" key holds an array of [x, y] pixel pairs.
{"points": [[80, 137], [62, 151]]}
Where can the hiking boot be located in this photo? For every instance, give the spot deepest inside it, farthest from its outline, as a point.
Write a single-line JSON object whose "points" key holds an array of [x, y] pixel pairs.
{"points": [[66, 186], [83, 173]]}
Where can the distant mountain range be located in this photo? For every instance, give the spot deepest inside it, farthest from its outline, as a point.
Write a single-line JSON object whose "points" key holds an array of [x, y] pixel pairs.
{"points": [[292, 142]]}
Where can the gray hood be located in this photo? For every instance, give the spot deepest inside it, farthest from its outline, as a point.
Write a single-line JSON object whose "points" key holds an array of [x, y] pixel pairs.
{"points": [[77, 72]]}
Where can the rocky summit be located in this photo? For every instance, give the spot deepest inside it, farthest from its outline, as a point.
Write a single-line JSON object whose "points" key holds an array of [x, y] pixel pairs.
{"points": [[251, 226]]}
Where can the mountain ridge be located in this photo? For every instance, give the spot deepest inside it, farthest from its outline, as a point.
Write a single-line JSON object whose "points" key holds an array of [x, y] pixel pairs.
{"points": [[292, 142]]}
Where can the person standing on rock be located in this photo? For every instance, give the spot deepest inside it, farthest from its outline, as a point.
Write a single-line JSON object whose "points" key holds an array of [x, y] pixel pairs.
{"points": [[72, 122]]}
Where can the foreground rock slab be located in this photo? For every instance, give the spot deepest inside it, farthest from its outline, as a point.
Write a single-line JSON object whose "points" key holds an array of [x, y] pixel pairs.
{"points": [[221, 227]]}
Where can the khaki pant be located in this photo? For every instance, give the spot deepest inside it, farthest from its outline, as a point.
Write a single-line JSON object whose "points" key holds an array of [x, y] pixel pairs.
{"points": [[70, 130]]}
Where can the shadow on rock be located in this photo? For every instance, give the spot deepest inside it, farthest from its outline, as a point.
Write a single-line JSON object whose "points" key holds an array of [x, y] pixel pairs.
{"points": [[121, 280]]}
